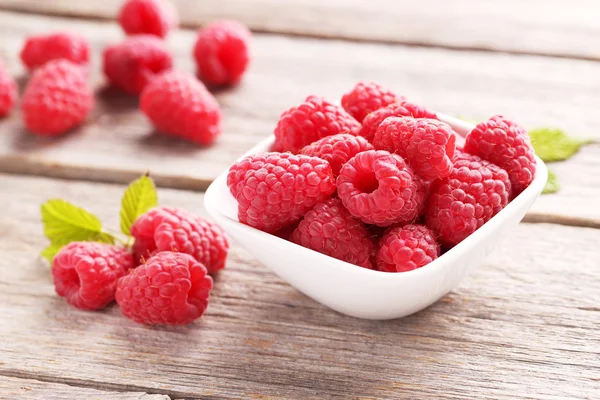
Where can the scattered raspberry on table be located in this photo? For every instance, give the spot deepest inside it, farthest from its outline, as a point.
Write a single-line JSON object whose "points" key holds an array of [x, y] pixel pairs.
{"points": [[337, 149], [86, 273], [367, 97], [152, 17], [406, 248], [135, 62], [380, 188], [8, 91], [222, 53], [312, 120], [56, 99], [170, 289], [179, 105], [40, 49], [330, 229], [405, 109], [427, 145], [506, 144], [177, 230], [274, 190]]}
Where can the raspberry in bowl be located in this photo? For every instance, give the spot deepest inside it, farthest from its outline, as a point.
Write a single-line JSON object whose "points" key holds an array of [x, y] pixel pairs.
{"points": [[394, 284]]}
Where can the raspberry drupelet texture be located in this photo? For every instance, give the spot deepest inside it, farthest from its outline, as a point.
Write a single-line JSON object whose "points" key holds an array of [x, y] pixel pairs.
{"points": [[179, 105], [404, 109], [427, 145], [274, 190], [380, 188], [312, 120], [86, 273], [506, 144], [173, 229], [367, 97], [471, 195], [40, 49], [406, 248], [222, 53], [152, 17], [337, 149], [170, 289], [8, 91], [56, 99], [330, 229], [135, 62]]}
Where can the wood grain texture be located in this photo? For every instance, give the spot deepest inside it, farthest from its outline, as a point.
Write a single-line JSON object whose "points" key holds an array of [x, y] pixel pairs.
{"points": [[31, 389], [523, 325], [535, 26]]}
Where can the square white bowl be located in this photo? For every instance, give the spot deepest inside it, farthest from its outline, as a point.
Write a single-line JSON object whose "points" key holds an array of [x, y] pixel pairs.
{"points": [[361, 292]]}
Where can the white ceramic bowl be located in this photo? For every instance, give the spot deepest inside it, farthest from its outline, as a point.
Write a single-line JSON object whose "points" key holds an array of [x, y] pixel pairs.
{"points": [[360, 292]]}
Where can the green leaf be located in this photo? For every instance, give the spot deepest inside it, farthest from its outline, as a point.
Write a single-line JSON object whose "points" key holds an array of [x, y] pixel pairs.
{"points": [[49, 252], [65, 223], [139, 197], [554, 144], [552, 185], [466, 119]]}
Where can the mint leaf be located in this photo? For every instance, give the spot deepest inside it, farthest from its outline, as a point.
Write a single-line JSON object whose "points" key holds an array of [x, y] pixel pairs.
{"points": [[139, 197], [554, 144], [49, 252], [552, 185], [65, 223]]}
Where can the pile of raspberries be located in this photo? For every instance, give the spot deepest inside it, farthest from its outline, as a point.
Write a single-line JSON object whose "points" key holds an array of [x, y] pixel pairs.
{"points": [[58, 97], [380, 182], [165, 277]]}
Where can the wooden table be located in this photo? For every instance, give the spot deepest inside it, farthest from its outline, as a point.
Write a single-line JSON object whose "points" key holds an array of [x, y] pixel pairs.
{"points": [[525, 325]]}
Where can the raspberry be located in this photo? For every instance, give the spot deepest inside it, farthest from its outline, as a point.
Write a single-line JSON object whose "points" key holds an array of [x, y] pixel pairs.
{"points": [[506, 144], [406, 248], [367, 97], [8, 91], [56, 99], [471, 195], [86, 273], [222, 53], [379, 188], [152, 17], [40, 49], [171, 288], [135, 62], [312, 120], [427, 145], [330, 229], [180, 105], [172, 229], [405, 109], [274, 190], [337, 149]]}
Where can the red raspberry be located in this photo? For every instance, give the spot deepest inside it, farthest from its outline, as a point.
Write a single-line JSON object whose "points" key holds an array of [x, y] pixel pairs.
{"points": [[367, 97], [406, 248], [427, 145], [152, 17], [379, 188], [172, 229], [337, 149], [8, 92], [171, 288], [40, 49], [222, 53], [471, 195], [506, 144], [135, 62], [86, 273], [312, 120], [405, 109], [274, 190], [330, 229], [56, 99], [179, 105]]}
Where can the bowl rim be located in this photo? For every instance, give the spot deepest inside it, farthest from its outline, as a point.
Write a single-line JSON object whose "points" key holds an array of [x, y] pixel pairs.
{"points": [[516, 204]]}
